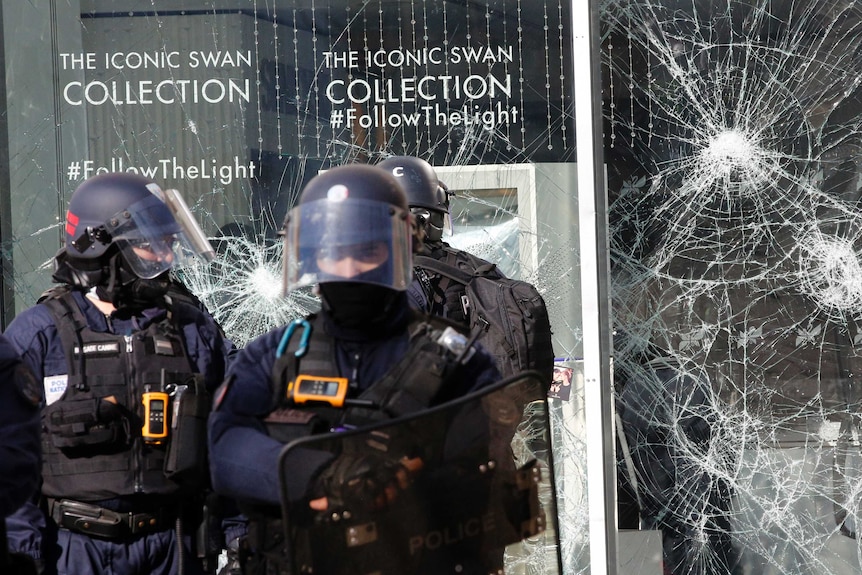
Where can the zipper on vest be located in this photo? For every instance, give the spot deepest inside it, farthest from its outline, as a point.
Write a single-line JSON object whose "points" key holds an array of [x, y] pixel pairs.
{"points": [[137, 451], [354, 372]]}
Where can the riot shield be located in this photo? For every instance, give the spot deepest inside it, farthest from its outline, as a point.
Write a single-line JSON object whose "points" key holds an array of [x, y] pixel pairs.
{"points": [[481, 499]]}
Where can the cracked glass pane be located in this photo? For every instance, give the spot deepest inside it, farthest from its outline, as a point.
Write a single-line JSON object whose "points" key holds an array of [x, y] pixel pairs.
{"points": [[732, 144]]}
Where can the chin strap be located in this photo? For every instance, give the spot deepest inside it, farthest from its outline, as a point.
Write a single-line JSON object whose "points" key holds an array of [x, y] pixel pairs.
{"points": [[76, 272]]}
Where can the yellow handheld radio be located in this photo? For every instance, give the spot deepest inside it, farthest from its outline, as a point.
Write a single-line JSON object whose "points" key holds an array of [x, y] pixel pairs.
{"points": [[155, 429]]}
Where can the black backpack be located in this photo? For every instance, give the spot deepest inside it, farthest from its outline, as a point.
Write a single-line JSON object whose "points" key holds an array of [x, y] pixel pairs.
{"points": [[508, 316]]}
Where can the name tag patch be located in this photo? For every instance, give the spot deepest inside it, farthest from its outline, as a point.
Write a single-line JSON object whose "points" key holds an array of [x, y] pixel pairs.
{"points": [[95, 349]]}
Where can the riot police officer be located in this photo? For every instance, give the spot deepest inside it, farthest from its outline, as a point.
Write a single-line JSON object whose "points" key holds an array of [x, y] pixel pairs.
{"points": [[464, 288], [428, 199], [350, 237], [126, 357]]}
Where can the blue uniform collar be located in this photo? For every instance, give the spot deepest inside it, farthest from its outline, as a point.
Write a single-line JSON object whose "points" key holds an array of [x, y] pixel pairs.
{"points": [[97, 321]]}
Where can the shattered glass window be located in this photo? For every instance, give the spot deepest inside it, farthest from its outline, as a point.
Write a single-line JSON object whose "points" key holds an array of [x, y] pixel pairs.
{"points": [[238, 103], [732, 144]]}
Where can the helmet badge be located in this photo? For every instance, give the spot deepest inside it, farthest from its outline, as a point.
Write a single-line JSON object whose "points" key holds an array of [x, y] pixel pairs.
{"points": [[337, 193], [71, 223]]}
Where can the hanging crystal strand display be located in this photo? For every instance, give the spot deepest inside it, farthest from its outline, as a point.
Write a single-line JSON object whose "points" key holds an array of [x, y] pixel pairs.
{"points": [[631, 76], [521, 73], [318, 126], [298, 99], [508, 127], [278, 79], [550, 114], [563, 134], [449, 150], [425, 45], [259, 110], [611, 104]]}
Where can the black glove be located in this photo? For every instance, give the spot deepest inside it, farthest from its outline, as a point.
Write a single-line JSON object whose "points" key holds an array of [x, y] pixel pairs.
{"points": [[360, 482]]}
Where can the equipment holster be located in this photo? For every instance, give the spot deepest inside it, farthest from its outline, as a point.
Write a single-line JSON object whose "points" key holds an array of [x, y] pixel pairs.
{"points": [[185, 461]]}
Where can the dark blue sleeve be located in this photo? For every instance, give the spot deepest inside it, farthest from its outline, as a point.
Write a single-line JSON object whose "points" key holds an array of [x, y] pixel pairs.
{"points": [[243, 458], [34, 336], [26, 529], [20, 455], [416, 297], [209, 349]]}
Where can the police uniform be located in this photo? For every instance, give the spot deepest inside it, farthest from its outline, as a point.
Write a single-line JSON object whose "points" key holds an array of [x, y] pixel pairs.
{"points": [[428, 199], [126, 358], [129, 492], [19, 430], [244, 454], [243, 457], [366, 334]]}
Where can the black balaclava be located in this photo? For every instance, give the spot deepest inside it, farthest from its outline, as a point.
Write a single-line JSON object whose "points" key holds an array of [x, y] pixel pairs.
{"points": [[356, 305]]}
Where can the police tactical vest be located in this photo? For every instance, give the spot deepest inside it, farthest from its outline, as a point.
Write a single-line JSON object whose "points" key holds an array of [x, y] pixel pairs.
{"points": [[417, 381], [93, 447]]}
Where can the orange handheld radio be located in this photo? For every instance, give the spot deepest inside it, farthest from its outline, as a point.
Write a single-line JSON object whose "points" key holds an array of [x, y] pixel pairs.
{"points": [[155, 429], [317, 389]]}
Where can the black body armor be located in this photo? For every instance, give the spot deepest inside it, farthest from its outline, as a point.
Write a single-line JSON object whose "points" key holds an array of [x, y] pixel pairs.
{"points": [[93, 445]]}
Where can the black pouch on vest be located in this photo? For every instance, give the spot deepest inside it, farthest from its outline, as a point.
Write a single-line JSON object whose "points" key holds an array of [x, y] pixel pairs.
{"points": [[185, 461], [87, 426], [286, 424]]}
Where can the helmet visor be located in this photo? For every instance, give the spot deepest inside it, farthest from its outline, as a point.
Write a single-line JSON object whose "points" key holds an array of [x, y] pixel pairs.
{"points": [[353, 240], [151, 238]]}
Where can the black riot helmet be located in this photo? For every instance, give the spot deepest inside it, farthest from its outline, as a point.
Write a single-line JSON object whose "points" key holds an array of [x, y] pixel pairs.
{"points": [[427, 196], [123, 226], [353, 216]]}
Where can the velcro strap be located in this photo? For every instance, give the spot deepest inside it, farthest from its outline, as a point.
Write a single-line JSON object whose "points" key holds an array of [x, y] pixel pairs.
{"points": [[290, 416]]}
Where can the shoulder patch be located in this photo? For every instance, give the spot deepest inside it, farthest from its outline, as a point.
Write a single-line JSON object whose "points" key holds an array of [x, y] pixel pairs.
{"points": [[221, 392]]}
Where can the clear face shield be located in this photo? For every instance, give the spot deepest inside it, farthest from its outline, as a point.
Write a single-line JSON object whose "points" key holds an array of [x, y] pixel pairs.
{"points": [[351, 240], [436, 223], [158, 233]]}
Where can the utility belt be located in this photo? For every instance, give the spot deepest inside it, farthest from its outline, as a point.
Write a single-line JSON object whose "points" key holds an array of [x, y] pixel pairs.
{"points": [[97, 521]]}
